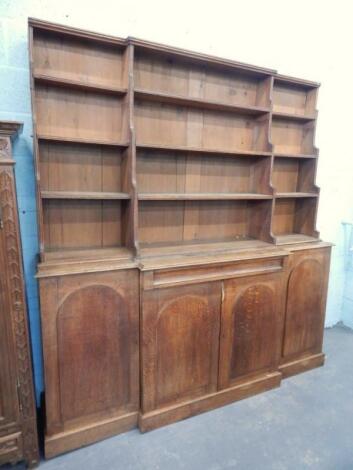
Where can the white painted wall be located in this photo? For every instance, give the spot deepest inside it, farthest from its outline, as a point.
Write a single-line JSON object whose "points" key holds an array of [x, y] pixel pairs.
{"points": [[307, 38]]}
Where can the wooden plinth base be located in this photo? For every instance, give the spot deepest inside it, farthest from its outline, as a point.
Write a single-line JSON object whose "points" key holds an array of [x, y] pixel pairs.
{"points": [[301, 365], [73, 439], [161, 417]]}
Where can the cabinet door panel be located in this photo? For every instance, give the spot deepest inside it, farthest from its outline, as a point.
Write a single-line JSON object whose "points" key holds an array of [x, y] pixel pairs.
{"points": [[251, 326], [306, 300], [180, 335], [93, 351], [90, 336]]}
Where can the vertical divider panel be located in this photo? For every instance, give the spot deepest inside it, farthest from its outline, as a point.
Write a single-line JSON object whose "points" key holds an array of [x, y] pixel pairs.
{"points": [[271, 80], [36, 148], [131, 216]]}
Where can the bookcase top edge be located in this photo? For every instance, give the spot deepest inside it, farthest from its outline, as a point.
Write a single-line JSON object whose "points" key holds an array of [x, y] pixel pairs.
{"points": [[158, 47], [286, 79], [163, 48], [81, 33]]}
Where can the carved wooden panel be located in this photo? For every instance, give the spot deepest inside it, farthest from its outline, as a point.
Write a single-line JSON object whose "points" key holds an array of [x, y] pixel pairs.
{"points": [[306, 300], [17, 407], [251, 326], [180, 335], [11, 448], [90, 339], [9, 405]]}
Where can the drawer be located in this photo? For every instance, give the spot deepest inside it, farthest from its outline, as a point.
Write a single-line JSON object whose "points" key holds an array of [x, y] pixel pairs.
{"points": [[160, 278]]}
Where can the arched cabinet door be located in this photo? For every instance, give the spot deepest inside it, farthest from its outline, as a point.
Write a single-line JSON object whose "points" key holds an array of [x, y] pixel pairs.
{"points": [[306, 301], [180, 337], [251, 327], [90, 338]]}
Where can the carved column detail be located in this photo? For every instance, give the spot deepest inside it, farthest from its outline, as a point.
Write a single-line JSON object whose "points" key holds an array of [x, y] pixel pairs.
{"points": [[17, 305]]}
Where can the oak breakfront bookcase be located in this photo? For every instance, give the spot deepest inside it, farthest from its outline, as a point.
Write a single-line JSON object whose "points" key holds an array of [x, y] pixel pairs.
{"points": [[180, 268]]}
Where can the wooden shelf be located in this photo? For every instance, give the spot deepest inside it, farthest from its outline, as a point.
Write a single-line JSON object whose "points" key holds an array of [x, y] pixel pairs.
{"points": [[294, 155], [80, 140], [289, 238], [82, 195], [295, 195], [199, 248], [293, 116], [199, 102], [78, 84], [201, 196], [200, 150], [66, 255]]}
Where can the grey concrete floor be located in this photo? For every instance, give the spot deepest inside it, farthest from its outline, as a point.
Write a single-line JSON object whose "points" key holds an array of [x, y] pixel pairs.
{"points": [[307, 423]]}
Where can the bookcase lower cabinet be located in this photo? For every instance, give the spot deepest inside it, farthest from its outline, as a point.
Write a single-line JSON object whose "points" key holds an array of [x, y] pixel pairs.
{"points": [[210, 343], [308, 273], [90, 342]]}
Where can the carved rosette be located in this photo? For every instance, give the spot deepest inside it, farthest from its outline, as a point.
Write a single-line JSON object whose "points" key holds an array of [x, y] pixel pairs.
{"points": [[24, 366]]}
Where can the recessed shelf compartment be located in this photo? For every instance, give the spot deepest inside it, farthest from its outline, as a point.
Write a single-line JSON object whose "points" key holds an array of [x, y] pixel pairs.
{"points": [[79, 60], [72, 255], [295, 176], [170, 125], [294, 99], [201, 150], [79, 170], [78, 140], [76, 114], [293, 138], [294, 117], [297, 155], [84, 224], [199, 247], [80, 84], [199, 102], [183, 222], [294, 216], [174, 75], [293, 238], [166, 174]]}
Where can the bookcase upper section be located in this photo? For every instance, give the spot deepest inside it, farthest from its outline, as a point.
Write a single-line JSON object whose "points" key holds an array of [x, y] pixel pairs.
{"points": [[143, 149]]}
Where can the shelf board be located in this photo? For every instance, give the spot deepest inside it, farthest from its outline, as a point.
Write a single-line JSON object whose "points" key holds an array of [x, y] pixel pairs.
{"points": [[293, 117], [82, 195], [291, 238], [200, 150], [200, 196], [295, 195], [199, 102], [295, 155], [199, 247], [80, 140], [69, 254], [77, 84]]}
